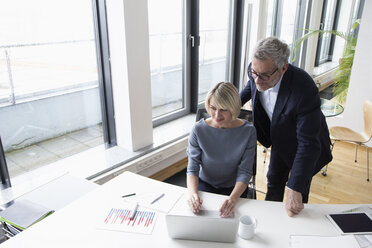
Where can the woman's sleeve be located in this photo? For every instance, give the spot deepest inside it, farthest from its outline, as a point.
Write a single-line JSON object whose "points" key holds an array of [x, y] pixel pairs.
{"points": [[245, 168], [194, 154]]}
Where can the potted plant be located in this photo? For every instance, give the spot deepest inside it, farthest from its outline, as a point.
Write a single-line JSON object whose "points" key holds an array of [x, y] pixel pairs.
{"points": [[343, 72]]}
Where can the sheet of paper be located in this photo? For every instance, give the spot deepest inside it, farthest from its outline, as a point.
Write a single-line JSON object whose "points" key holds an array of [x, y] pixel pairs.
{"points": [[362, 209], [163, 204], [365, 241], [304, 241], [369, 238], [117, 218]]}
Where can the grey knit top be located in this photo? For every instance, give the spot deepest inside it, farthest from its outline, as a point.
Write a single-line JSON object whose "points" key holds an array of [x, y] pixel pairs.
{"points": [[221, 157]]}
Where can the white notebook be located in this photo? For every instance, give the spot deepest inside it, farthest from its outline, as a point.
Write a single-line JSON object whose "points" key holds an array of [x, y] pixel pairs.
{"points": [[24, 213]]}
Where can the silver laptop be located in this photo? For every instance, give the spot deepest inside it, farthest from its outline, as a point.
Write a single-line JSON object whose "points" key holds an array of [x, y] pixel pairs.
{"points": [[205, 226]]}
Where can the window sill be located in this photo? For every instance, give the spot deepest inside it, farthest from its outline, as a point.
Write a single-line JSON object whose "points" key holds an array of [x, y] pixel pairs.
{"points": [[97, 161], [324, 68], [324, 75]]}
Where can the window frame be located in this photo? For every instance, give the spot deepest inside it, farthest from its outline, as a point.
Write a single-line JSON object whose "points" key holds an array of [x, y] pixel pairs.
{"points": [[104, 73]]}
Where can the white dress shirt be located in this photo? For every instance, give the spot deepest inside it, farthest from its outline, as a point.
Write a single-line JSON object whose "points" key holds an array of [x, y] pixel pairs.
{"points": [[268, 98]]}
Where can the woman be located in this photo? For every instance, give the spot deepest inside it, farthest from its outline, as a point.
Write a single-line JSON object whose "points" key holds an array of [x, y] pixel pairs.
{"points": [[221, 150]]}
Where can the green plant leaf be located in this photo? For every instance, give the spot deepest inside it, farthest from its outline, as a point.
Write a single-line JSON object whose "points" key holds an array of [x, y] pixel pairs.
{"points": [[342, 74]]}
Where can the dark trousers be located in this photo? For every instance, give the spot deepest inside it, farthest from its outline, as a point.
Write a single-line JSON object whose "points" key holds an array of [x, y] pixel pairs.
{"points": [[204, 186], [277, 178]]}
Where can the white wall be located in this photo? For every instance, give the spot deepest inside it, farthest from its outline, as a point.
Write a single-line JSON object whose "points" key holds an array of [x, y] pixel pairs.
{"points": [[360, 88]]}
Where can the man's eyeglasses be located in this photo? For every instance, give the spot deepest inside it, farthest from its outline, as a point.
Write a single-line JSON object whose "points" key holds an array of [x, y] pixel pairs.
{"points": [[263, 77]]}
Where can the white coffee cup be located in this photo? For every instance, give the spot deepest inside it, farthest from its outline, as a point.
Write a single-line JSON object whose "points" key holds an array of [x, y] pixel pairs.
{"points": [[247, 226]]}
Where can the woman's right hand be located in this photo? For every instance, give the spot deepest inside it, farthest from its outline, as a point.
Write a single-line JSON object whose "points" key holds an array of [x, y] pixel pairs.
{"points": [[195, 202]]}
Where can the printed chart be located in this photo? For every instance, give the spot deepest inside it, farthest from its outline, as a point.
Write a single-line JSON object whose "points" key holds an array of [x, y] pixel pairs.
{"points": [[118, 219]]}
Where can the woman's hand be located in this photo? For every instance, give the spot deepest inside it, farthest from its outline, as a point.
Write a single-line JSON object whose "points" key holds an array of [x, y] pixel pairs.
{"points": [[195, 203], [228, 207]]}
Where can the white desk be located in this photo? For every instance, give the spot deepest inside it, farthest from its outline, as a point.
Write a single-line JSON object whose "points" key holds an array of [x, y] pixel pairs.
{"points": [[75, 225], [54, 194]]}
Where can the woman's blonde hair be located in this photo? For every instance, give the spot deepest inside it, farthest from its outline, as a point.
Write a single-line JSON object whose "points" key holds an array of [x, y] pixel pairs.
{"points": [[226, 96]]}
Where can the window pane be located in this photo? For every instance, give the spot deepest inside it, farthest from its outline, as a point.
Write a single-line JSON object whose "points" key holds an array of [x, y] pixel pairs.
{"points": [[270, 15], [5, 77], [166, 56], [327, 25], [357, 11], [213, 50], [357, 14], [49, 92], [288, 21]]}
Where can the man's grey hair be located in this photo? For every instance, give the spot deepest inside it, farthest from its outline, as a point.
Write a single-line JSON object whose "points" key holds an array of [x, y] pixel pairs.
{"points": [[272, 48]]}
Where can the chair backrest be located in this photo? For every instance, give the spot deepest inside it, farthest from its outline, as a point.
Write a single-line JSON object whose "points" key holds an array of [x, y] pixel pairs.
{"points": [[367, 112], [201, 113]]}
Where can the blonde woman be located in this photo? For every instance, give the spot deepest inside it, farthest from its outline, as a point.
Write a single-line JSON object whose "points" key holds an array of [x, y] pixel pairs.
{"points": [[221, 150]]}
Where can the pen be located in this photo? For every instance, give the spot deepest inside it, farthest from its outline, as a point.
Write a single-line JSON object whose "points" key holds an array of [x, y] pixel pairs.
{"points": [[157, 198], [128, 195], [133, 211]]}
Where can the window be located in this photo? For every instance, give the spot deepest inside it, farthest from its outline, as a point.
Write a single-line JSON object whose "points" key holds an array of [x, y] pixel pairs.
{"points": [[190, 51], [214, 44], [166, 31], [357, 13], [49, 92], [328, 22], [270, 18], [287, 20]]}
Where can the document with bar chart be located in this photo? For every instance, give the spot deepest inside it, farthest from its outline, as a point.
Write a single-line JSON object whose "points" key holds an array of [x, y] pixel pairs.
{"points": [[118, 219]]}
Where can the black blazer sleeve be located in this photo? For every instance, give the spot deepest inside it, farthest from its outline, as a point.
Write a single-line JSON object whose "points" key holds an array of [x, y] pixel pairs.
{"points": [[246, 93], [310, 141]]}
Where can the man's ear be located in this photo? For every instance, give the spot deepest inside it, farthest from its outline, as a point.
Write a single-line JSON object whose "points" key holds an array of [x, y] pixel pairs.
{"points": [[284, 69]]}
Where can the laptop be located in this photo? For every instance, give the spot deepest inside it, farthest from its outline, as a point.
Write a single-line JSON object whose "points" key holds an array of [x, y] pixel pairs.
{"points": [[204, 226]]}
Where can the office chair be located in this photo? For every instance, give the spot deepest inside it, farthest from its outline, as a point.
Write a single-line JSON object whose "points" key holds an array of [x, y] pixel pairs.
{"points": [[359, 138], [246, 115]]}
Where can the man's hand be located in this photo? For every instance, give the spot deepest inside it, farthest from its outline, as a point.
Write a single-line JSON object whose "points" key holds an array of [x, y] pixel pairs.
{"points": [[293, 203]]}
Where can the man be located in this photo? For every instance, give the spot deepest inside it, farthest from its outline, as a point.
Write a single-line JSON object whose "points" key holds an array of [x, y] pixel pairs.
{"points": [[287, 117]]}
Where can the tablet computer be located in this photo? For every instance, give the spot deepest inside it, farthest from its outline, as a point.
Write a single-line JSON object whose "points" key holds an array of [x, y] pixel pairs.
{"points": [[352, 223]]}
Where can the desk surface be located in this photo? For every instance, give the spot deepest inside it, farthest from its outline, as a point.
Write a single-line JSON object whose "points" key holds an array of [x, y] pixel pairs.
{"points": [[54, 194], [330, 108], [75, 224]]}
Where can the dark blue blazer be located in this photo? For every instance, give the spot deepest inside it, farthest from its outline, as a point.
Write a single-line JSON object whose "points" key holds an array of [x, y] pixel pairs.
{"points": [[298, 133]]}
